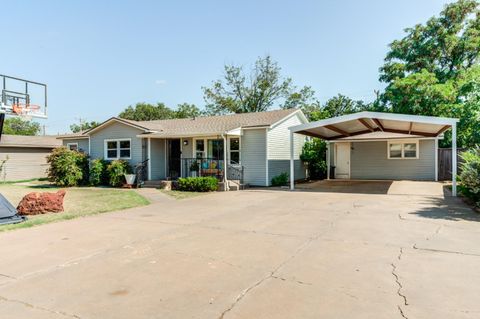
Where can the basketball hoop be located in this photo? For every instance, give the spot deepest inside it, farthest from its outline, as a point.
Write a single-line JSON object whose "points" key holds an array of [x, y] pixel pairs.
{"points": [[25, 110]]}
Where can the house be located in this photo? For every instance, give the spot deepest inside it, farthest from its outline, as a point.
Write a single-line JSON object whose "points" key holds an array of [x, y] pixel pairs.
{"points": [[26, 156], [253, 144], [381, 146]]}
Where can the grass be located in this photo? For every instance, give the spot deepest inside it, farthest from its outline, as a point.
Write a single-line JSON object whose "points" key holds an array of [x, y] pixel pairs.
{"points": [[181, 194], [78, 202]]}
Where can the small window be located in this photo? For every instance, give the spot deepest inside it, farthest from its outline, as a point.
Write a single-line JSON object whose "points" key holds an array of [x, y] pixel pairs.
{"points": [[72, 146], [117, 149], [403, 150], [199, 148], [234, 151]]}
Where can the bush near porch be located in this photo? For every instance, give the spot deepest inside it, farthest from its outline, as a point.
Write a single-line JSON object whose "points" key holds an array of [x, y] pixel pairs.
{"points": [[197, 184], [470, 175]]}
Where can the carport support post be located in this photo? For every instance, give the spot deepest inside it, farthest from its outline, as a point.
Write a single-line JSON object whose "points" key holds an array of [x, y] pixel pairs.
{"points": [[328, 160], [454, 159], [292, 162]]}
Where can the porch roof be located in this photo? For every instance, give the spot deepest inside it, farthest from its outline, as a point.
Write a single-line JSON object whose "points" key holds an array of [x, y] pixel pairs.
{"points": [[375, 125]]}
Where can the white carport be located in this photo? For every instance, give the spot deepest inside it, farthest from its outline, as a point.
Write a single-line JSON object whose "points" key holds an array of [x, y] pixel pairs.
{"points": [[374, 125]]}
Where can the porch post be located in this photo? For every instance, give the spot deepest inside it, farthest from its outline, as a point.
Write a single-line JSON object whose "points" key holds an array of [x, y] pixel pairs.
{"points": [[454, 159], [149, 155], [436, 159], [292, 162], [328, 160], [225, 165]]}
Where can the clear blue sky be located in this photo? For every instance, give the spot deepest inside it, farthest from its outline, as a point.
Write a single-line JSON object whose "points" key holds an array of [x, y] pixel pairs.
{"points": [[97, 57]]}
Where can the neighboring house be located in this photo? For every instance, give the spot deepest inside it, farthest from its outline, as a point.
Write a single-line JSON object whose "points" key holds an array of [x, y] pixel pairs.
{"points": [[388, 146], [27, 156], [255, 145]]}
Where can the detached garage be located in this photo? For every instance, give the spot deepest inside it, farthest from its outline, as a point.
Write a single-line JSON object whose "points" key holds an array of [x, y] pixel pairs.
{"points": [[382, 146], [26, 156]]}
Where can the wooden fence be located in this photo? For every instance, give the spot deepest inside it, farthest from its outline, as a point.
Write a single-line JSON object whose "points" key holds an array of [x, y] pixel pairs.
{"points": [[445, 163]]}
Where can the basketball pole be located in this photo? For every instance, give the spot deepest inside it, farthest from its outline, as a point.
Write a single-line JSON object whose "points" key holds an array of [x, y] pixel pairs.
{"points": [[2, 120]]}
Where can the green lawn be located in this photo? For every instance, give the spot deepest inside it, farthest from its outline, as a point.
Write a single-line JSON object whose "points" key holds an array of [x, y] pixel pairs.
{"points": [[79, 201]]}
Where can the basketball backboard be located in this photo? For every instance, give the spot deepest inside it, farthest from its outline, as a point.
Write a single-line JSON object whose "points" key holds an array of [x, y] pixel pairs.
{"points": [[25, 98]]}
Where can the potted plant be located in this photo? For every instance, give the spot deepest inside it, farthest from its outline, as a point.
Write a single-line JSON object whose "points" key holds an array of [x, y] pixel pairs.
{"points": [[194, 168], [130, 179]]}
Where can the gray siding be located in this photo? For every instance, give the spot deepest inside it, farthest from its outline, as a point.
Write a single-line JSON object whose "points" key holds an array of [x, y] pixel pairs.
{"points": [[254, 155], [187, 150], [277, 167], [157, 160], [369, 161], [23, 163], [279, 149], [82, 143], [116, 131]]}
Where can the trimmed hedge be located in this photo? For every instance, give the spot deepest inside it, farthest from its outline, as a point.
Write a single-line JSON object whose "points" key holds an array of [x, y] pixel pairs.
{"points": [[197, 184], [116, 171], [280, 180], [67, 168]]}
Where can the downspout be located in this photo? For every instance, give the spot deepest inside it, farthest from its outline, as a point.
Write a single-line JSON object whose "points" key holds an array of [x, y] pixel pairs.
{"points": [[225, 165]]}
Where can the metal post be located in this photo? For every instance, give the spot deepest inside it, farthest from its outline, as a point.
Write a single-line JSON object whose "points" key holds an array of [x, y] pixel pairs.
{"points": [[436, 159], [454, 159], [328, 160], [149, 154], [292, 162], [225, 165]]}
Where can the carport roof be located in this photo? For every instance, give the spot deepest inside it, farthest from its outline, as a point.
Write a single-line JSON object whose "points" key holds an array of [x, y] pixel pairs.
{"points": [[363, 124]]}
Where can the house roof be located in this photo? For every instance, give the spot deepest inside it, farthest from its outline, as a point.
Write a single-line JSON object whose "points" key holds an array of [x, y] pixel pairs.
{"points": [[71, 136], [361, 123], [208, 125], [29, 141]]}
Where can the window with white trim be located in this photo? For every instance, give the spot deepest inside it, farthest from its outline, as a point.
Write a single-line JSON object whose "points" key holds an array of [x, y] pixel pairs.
{"points": [[117, 149], [402, 149], [234, 150], [72, 146]]}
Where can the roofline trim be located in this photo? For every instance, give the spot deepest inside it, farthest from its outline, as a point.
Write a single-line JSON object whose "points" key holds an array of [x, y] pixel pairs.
{"points": [[377, 115], [119, 120]]}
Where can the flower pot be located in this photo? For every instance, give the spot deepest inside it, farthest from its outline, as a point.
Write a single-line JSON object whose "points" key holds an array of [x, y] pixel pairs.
{"points": [[130, 178]]}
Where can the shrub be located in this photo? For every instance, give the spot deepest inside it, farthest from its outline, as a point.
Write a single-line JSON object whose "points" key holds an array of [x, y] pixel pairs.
{"points": [[198, 184], [98, 172], [280, 180], [67, 168], [314, 154], [470, 174], [116, 171]]}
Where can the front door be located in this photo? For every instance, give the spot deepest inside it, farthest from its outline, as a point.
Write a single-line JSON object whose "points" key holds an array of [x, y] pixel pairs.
{"points": [[342, 160], [174, 154]]}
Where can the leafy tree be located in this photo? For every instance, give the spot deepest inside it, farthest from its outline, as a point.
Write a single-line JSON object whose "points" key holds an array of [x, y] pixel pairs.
{"points": [[19, 126], [186, 110], [434, 69], [257, 91], [76, 128], [314, 154], [147, 112]]}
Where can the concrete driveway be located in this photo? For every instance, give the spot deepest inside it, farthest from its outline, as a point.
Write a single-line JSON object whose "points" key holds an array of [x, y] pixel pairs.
{"points": [[251, 254]]}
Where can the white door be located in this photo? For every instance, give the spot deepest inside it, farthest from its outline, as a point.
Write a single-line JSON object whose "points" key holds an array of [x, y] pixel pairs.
{"points": [[342, 160]]}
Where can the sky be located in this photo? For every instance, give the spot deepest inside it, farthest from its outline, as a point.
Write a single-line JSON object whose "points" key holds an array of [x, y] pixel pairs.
{"points": [[97, 57]]}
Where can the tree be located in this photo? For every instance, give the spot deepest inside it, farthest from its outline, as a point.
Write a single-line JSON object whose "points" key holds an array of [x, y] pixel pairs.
{"points": [[19, 126], [434, 69], [147, 112], [76, 128], [257, 91], [186, 110]]}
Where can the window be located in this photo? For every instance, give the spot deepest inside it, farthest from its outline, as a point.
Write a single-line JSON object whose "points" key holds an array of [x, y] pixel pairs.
{"points": [[234, 151], [117, 149], [403, 150], [72, 146], [199, 148], [215, 149]]}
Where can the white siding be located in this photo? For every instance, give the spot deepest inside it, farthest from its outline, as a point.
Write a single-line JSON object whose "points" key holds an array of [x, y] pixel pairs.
{"points": [[369, 161], [24, 163], [279, 149], [254, 150], [116, 131]]}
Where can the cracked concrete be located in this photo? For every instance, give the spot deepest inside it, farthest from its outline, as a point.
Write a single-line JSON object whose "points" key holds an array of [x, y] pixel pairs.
{"points": [[250, 254]]}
